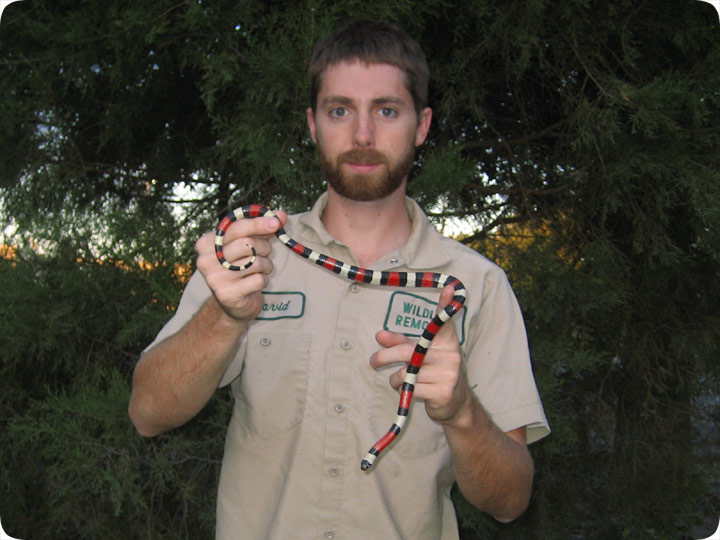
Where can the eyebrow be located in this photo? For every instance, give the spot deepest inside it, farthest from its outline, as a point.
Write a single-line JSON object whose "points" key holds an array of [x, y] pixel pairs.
{"points": [[344, 100]]}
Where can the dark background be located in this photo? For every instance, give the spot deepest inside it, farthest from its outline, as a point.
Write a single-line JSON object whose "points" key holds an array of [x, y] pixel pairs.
{"points": [[577, 140]]}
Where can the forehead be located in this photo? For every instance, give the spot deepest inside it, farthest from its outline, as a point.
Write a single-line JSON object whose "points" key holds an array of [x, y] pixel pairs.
{"points": [[358, 80]]}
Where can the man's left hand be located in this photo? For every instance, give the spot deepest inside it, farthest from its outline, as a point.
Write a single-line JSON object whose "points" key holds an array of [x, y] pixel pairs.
{"points": [[441, 381]]}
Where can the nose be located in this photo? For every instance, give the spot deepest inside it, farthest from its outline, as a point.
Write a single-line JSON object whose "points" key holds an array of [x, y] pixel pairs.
{"points": [[364, 131]]}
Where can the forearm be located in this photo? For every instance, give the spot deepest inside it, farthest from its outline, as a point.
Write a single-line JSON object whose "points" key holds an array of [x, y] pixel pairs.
{"points": [[173, 381], [494, 470]]}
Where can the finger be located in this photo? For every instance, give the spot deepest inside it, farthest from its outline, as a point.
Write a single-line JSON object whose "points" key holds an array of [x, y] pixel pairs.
{"points": [[242, 300], [235, 293], [205, 243], [445, 296], [390, 339], [233, 289], [208, 264], [430, 374], [260, 226], [241, 234], [239, 252], [396, 379], [398, 353], [243, 247]]}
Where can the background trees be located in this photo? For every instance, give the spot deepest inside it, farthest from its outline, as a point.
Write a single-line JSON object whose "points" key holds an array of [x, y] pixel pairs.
{"points": [[578, 139]]}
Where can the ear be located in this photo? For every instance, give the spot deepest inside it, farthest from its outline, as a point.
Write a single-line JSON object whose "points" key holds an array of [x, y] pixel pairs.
{"points": [[311, 123], [423, 126]]}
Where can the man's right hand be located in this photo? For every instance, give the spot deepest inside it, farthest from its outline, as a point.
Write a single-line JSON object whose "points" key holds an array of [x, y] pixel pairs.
{"points": [[238, 293]]}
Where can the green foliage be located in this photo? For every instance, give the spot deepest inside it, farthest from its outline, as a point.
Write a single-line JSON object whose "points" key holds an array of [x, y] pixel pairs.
{"points": [[581, 138], [82, 471], [73, 465]]}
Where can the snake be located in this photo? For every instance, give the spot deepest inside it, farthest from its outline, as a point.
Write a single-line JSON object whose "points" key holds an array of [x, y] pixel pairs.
{"points": [[362, 275]]}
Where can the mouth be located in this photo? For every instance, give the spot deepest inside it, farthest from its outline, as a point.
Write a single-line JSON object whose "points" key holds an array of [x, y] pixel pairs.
{"points": [[363, 161], [363, 168]]}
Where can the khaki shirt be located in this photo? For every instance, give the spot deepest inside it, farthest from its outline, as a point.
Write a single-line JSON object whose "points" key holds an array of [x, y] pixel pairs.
{"points": [[308, 406]]}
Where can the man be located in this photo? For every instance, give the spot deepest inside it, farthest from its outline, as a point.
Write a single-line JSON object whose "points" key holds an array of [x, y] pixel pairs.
{"points": [[315, 360]]}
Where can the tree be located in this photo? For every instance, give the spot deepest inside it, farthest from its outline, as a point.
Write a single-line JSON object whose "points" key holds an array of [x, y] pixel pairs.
{"points": [[588, 129]]}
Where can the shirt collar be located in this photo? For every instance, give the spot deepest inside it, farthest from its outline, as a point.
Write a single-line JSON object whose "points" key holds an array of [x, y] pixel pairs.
{"points": [[423, 250]]}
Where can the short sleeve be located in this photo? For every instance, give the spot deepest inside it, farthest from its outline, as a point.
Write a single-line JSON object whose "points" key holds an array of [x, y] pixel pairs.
{"points": [[498, 361]]}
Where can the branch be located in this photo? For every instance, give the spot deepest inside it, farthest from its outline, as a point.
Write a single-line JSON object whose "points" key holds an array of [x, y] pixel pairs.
{"points": [[463, 214], [545, 132], [513, 191], [483, 233]]}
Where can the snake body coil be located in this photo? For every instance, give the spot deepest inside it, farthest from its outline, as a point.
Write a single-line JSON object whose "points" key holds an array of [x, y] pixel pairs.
{"points": [[373, 277]]}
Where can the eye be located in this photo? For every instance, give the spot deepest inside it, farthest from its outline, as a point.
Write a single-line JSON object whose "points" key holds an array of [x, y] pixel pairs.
{"points": [[338, 112], [388, 112]]}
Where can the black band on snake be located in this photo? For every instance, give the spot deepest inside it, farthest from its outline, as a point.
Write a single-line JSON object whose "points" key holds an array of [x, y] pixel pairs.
{"points": [[373, 277]]}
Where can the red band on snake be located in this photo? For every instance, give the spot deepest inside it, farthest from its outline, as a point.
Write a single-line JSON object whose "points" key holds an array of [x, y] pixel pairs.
{"points": [[373, 277]]}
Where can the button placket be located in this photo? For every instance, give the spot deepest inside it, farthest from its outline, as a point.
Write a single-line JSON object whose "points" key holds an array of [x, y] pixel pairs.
{"points": [[341, 365]]}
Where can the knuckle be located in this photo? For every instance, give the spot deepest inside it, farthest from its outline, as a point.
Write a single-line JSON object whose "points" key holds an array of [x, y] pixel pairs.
{"points": [[203, 242], [445, 395], [205, 265]]}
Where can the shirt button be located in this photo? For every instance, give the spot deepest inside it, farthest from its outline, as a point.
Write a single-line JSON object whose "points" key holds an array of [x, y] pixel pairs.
{"points": [[346, 345], [394, 260], [339, 408], [329, 534], [265, 341], [334, 471], [355, 288]]}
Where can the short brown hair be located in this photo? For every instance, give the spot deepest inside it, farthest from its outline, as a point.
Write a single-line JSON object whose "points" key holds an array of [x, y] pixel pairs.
{"points": [[372, 42]]}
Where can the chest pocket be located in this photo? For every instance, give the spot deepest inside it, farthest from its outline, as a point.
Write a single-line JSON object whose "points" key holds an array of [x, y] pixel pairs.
{"points": [[273, 383]]}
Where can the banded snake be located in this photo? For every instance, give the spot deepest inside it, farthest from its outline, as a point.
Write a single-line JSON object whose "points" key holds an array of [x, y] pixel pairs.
{"points": [[363, 275]]}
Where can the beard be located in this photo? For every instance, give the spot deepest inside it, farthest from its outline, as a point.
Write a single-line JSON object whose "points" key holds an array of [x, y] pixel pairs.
{"points": [[365, 187]]}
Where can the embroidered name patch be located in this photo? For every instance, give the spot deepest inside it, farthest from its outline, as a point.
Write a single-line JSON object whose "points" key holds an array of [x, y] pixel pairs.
{"points": [[282, 305], [409, 314]]}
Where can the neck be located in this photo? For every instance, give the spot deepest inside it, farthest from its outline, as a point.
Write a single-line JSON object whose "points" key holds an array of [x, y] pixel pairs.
{"points": [[371, 229]]}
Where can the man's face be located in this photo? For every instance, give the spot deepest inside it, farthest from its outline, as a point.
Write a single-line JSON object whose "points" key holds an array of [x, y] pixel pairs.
{"points": [[366, 129]]}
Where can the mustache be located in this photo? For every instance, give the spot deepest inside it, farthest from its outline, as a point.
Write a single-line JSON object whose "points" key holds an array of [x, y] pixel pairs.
{"points": [[364, 156]]}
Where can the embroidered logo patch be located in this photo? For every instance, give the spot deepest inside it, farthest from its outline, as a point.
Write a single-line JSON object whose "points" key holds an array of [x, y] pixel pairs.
{"points": [[409, 314], [282, 305]]}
